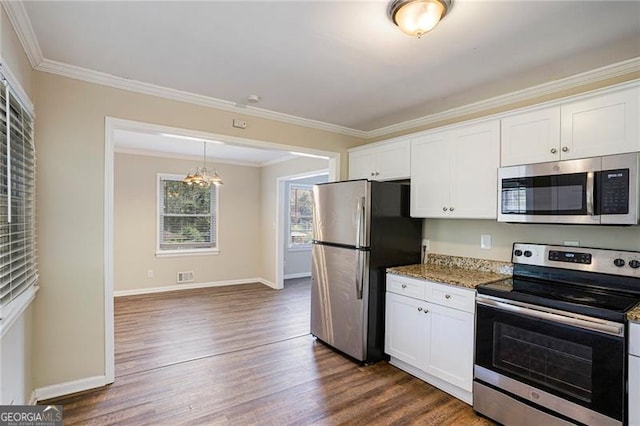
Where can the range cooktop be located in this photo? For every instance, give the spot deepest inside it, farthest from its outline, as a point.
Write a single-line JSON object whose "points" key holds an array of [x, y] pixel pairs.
{"points": [[594, 282]]}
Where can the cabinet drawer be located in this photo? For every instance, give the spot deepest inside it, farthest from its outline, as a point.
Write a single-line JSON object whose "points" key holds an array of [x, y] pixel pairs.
{"points": [[406, 286], [452, 297]]}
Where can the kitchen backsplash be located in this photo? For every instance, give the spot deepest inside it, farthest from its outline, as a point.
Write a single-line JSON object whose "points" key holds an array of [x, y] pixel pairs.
{"points": [[495, 266]]}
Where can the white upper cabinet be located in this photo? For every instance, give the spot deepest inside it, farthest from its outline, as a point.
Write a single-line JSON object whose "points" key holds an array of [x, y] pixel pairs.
{"points": [[531, 137], [388, 161], [604, 124], [454, 172]]}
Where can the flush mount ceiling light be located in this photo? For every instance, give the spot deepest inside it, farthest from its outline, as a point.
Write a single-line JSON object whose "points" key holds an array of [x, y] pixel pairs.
{"points": [[416, 17], [201, 176]]}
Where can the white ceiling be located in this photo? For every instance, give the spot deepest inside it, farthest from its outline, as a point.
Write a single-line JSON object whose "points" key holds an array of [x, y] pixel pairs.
{"points": [[337, 62], [141, 143]]}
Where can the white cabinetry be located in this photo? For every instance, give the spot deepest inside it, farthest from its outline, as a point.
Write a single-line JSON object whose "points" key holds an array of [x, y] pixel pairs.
{"points": [[603, 124], [454, 172], [429, 332], [634, 374], [386, 161]]}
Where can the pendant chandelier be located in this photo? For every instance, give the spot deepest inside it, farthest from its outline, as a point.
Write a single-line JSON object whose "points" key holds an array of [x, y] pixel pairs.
{"points": [[201, 176]]}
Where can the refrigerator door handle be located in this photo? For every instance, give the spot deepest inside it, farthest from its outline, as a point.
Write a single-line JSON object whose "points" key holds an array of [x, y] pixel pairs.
{"points": [[359, 221], [359, 274]]}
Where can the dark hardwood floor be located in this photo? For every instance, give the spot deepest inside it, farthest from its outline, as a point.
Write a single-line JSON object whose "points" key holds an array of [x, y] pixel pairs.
{"points": [[243, 355]]}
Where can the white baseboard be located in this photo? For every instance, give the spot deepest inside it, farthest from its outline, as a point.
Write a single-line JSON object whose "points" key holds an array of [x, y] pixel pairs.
{"points": [[268, 283], [298, 275], [189, 286], [67, 388]]}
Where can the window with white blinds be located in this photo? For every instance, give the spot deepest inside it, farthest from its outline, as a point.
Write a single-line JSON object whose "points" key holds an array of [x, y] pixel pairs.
{"points": [[188, 216], [18, 262]]}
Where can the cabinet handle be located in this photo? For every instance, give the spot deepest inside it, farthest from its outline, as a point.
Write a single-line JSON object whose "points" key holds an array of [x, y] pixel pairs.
{"points": [[444, 209], [373, 174], [404, 286], [377, 173], [447, 296], [419, 309], [450, 209], [554, 151], [565, 149], [426, 311]]}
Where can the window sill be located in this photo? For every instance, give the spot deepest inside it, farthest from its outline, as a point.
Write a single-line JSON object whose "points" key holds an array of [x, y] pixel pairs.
{"points": [[11, 313], [183, 253], [300, 248]]}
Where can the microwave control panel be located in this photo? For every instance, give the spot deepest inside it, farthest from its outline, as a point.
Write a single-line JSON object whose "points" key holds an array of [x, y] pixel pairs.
{"points": [[614, 191]]}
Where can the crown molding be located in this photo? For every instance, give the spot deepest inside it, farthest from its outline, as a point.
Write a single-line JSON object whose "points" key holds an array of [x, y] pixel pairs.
{"points": [[105, 79], [22, 24], [568, 83]]}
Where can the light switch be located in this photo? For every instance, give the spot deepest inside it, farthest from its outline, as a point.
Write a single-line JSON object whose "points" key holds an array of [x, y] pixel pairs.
{"points": [[485, 241]]}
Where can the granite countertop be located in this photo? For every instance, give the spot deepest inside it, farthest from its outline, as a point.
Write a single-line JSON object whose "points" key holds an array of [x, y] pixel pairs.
{"points": [[634, 314], [454, 270]]}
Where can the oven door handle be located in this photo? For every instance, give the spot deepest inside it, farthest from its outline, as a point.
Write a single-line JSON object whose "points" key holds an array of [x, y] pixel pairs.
{"points": [[593, 324]]}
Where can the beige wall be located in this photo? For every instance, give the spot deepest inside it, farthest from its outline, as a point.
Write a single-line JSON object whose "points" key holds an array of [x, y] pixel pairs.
{"points": [[462, 237], [135, 219], [69, 309], [16, 346], [269, 182], [13, 55]]}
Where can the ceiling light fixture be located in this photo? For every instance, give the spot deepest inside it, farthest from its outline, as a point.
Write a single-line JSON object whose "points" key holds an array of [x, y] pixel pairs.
{"points": [[200, 175], [254, 99], [417, 17]]}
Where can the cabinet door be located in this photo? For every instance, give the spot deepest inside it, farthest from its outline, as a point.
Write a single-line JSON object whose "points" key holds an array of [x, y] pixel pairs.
{"points": [[362, 164], [394, 160], [450, 352], [634, 391], [531, 137], [475, 158], [430, 174], [406, 329], [602, 125]]}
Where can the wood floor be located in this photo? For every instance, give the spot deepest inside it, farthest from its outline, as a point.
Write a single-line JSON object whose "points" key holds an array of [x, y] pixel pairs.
{"points": [[243, 355]]}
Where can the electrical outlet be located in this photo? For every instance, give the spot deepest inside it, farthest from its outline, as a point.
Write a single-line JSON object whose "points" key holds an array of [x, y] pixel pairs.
{"points": [[240, 124], [150, 273], [485, 241], [426, 244], [572, 243]]}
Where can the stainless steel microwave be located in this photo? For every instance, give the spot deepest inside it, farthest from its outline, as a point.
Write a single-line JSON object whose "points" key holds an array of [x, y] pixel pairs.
{"points": [[591, 191]]}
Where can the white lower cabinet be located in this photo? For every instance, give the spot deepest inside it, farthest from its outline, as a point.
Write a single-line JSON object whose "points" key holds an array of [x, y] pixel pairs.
{"points": [[432, 338]]}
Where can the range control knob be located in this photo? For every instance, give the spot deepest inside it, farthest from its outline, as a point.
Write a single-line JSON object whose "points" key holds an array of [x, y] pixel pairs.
{"points": [[634, 264], [619, 262], [518, 252], [527, 253]]}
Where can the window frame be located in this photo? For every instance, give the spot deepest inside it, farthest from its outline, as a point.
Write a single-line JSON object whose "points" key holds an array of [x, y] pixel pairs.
{"points": [[290, 246], [25, 293], [160, 177]]}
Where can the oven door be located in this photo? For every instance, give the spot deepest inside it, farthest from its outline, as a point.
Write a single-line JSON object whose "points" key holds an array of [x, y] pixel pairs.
{"points": [[574, 367]]}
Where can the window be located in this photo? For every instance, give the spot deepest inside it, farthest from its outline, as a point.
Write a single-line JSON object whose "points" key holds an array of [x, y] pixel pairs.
{"points": [[18, 265], [187, 217], [300, 215]]}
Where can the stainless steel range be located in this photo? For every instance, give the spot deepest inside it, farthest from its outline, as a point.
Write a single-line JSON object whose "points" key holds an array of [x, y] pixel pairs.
{"points": [[551, 343]]}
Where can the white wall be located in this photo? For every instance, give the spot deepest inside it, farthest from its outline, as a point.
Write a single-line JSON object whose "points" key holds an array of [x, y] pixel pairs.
{"points": [[297, 261], [460, 237], [135, 219]]}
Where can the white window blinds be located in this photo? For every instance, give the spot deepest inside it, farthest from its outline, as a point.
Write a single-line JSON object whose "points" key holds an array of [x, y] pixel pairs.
{"points": [[187, 216], [18, 263]]}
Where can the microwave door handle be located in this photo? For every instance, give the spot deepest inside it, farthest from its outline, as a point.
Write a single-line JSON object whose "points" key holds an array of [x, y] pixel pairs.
{"points": [[590, 193]]}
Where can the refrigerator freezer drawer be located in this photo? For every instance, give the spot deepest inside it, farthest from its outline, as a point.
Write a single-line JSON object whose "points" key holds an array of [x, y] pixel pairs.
{"points": [[339, 298]]}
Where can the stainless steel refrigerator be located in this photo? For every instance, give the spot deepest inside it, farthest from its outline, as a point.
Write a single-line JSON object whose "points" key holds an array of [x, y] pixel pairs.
{"points": [[360, 228]]}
